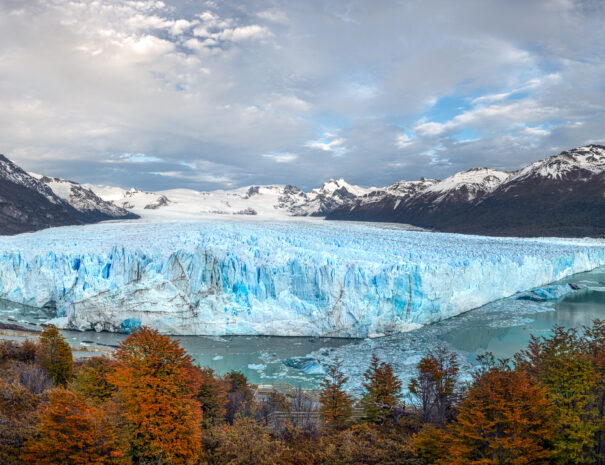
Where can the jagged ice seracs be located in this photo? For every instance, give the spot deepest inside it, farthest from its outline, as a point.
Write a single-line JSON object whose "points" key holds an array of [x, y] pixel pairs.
{"points": [[289, 278]]}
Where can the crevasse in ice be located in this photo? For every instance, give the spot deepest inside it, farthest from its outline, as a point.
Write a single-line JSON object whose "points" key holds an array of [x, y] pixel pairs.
{"points": [[290, 278]]}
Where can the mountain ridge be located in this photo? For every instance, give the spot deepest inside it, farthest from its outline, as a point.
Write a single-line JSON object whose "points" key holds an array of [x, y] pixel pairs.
{"points": [[561, 195], [28, 203]]}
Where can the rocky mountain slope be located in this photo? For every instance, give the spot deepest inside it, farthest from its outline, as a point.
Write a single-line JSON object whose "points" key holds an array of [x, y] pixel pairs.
{"points": [[331, 195], [562, 195], [28, 203], [90, 206]]}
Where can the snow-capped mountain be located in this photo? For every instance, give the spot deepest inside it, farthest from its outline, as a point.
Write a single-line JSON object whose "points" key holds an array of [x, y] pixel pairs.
{"points": [[135, 199], [29, 203], [578, 164], [379, 203], [129, 199], [331, 195], [405, 188], [561, 195], [10, 172], [84, 200], [264, 201], [26, 204], [189, 203], [466, 186]]}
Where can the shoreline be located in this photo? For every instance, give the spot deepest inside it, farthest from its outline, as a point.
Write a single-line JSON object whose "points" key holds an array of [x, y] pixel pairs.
{"points": [[19, 334]]}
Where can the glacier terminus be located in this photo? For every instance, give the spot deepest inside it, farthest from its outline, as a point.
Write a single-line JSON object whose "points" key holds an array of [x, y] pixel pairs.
{"points": [[283, 278]]}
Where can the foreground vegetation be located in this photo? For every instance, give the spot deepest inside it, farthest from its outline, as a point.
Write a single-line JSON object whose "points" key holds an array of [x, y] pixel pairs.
{"points": [[150, 404]]}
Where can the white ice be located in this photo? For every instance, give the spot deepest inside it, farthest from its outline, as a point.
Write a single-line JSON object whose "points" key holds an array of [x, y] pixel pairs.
{"points": [[294, 278]]}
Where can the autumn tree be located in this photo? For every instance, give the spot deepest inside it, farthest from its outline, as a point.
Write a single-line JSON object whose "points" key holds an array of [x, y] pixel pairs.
{"points": [[504, 419], [211, 393], [364, 444], [54, 355], [153, 375], [17, 407], [239, 396], [244, 442], [72, 432], [570, 378], [431, 443], [335, 403], [594, 346], [23, 352], [93, 379], [382, 391], [302, 446], [435, 384]]}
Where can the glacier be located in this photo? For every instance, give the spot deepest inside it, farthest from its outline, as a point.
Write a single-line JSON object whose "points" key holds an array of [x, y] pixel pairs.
{"points": [[288, 278]]}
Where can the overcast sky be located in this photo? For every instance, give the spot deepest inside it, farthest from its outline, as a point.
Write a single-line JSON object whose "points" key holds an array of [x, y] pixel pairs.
{"points": [[208, 95]]}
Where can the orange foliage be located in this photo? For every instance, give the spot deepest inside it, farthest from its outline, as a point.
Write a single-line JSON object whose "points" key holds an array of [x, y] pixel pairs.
{"points": [[72, 432], [92, 379], [54, 355], [17, 408], [245, 442], [156, 388], [335, 403], [504, 419], [365, 444], [211, 393]]}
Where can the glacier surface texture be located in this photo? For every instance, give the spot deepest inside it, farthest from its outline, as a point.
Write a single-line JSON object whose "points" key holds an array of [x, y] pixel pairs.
{"points": [[289, 278]]}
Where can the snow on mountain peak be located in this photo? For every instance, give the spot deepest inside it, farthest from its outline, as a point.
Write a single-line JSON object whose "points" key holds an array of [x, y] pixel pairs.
{"points": [[475, 182], [588, 159], [408, 188], [333, 185], [282, 201], [82, 198], [9, 171]]}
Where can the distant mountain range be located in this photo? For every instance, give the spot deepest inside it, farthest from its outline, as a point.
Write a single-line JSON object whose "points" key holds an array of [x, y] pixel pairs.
{"points": [[563, 195], [264, 201]]}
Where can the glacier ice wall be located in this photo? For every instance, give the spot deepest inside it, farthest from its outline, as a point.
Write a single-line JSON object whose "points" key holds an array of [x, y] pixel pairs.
{"points": [[281, 278]]}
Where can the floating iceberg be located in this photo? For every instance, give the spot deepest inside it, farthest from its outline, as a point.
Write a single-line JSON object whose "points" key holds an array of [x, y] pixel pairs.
{"points": [[548, 293], [311, 278], [308, 365]]}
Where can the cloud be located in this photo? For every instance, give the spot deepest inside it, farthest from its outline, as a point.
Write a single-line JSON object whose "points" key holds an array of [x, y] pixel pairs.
{"points": [[226, 94], [281, 157], [139, 158], [537, 131], [404, 140], [253, 31], [274, 15], [215, 28], [329, 142], [500, 116]]}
